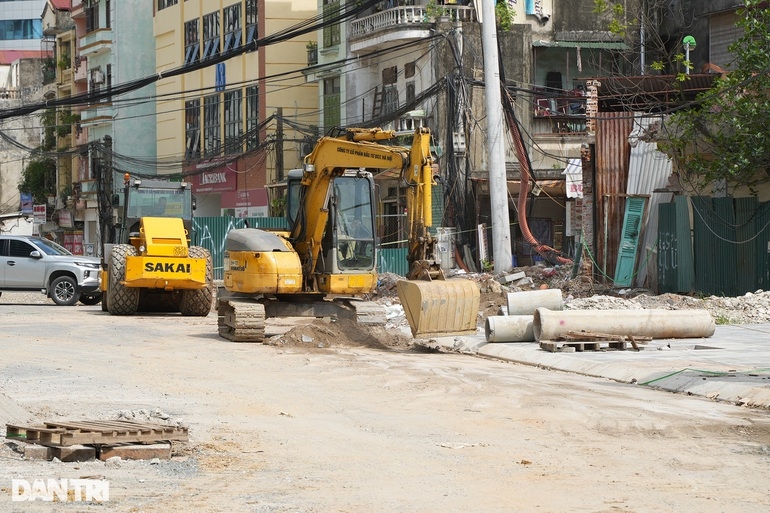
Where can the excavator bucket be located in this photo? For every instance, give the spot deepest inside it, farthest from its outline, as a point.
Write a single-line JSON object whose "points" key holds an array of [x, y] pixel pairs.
{"points": [[440, 307]]}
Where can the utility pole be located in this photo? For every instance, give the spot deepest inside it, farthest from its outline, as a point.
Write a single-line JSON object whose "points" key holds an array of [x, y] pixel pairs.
{"points": [[498, 186]]}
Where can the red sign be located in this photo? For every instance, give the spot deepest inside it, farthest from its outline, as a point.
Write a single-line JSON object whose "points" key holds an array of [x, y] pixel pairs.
{"points": [[214, 179], [247, 198]]}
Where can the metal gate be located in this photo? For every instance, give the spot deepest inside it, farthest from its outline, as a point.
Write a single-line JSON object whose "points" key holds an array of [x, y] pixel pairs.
{"points": [[730, 244]]}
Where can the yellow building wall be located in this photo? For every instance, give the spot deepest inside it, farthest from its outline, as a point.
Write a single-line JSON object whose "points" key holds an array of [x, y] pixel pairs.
{"points": [[298, 99]]}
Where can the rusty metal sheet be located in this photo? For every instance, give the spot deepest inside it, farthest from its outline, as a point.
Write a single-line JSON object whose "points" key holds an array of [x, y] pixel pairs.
{"points": [[612, 157]]}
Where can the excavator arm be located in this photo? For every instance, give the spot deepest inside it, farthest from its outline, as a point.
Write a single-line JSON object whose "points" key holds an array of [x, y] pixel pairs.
{"points": [[328, 160], [418, 176]]}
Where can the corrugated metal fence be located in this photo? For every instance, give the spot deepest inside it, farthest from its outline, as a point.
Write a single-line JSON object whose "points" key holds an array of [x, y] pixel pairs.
{"points": [[210, 232], [728, 254]]}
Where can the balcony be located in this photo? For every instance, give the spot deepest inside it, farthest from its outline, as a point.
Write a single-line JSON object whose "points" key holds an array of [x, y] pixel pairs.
{"points": [[81, 69], [559, 113], [88, 188], [96, 114], [399, 24], [96, 42]]}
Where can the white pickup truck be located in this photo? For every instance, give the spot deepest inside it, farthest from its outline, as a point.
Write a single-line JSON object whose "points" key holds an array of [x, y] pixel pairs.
{"points": [[34, 263]]}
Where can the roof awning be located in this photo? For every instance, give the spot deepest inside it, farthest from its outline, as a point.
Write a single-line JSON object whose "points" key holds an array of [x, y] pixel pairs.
{"points": [[603, 45]]}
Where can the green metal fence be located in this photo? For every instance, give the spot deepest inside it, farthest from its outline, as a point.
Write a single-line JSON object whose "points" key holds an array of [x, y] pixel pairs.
{"points": [[730, 246], [210, 232]]}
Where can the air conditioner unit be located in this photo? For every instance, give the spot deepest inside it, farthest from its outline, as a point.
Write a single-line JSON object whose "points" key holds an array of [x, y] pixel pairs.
{"points": [[97, 76]]}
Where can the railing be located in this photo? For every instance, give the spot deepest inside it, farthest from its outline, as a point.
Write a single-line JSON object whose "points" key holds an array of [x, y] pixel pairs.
{"points": [[96, 111], [101, 37], [9, 93], [405, 16], [560, 113], [390, 18]]}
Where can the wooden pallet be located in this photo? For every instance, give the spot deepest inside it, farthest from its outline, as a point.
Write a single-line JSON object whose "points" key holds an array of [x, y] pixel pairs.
{"points": [[592, 341], [95, 432], [580, 346]]}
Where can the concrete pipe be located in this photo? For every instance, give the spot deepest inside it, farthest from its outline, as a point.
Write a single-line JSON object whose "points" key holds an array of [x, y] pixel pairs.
{"points": [[509, 328], [550, 325], [525, 303]]}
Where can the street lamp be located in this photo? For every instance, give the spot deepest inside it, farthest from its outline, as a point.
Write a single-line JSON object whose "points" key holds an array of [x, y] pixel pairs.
{"points": [[688, 42]]}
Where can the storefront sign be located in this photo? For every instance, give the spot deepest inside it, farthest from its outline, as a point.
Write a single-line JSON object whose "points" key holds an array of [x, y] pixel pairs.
{"points": [[214, 179], [39, 212], [65, 219]]}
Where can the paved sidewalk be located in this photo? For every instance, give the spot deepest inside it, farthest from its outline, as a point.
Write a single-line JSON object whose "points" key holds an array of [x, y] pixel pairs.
{"points": [[733, 365]]}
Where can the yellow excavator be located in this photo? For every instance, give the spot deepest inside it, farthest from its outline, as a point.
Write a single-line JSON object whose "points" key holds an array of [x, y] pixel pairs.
{"points": [[330, 254]]}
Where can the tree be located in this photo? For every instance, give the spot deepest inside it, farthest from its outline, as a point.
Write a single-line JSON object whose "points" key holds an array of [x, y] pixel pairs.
{"points": [[39, 179], [726, 137], [650, 29]]}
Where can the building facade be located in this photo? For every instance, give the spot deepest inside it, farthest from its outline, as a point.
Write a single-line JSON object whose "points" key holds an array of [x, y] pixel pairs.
{"points": [[231, 125], [21, 27]]}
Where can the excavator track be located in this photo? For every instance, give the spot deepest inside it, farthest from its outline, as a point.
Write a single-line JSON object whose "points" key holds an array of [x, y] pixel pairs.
{"points": [[367, 313], [241, 320]]}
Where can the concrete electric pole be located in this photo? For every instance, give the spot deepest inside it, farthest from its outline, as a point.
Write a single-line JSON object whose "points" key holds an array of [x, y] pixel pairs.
{"points": [[498, 187]]}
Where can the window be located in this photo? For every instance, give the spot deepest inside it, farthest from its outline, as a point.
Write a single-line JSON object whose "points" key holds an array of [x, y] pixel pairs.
{"points": [[252, 117], [233, 122], [389, 75], [355, 227], [211, 125], [409, 69], [232, 19], [191, 42], [107, 23], [108, 81], [20, 29], [162, 4], [410, 91], [19, 248], [390, 101], [211, 35], [92, 15], [331, 102], [192, 110], [331, 32], [252, 33]]}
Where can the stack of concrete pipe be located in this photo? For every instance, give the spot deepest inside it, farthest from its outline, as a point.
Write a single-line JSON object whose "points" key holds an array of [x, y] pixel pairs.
{"points": [[539, 315], [517, 326]]}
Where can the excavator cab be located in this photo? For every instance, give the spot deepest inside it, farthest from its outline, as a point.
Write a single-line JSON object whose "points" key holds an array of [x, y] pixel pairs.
{"points": [[348, 255]]}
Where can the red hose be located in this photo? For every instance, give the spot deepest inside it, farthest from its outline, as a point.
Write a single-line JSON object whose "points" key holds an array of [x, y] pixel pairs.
{"points": [[547, 252]]}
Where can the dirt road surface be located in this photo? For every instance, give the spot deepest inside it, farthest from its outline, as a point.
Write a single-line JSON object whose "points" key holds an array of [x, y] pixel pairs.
{"points": [[363, 427]]}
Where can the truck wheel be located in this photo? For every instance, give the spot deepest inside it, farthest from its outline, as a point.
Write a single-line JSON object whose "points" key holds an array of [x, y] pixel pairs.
{"points": [[121, 300], [199, 302], [91, 299], [158, 300], [64, 291]]}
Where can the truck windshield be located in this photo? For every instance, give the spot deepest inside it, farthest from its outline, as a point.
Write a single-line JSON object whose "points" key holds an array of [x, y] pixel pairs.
{"points": [[355, 223], [160, 203]]}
